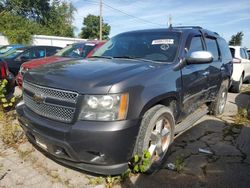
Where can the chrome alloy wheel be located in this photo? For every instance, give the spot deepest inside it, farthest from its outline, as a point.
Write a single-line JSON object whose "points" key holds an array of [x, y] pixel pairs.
{"points": [[160, 139], [222, 102]]}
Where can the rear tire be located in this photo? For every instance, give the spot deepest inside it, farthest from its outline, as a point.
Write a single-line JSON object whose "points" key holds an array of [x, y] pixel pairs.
{"points": [[218, 106], [156, 135]]}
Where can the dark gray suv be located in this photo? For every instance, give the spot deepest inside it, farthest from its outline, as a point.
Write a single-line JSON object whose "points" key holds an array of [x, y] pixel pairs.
{"points": [[137, 92]]}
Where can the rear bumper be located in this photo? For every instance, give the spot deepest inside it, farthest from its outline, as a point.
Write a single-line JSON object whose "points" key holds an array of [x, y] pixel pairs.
{"points": [[98, 147]]}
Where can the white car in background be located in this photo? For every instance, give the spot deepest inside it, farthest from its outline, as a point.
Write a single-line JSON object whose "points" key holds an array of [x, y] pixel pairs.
{"points": [[241, 67]]}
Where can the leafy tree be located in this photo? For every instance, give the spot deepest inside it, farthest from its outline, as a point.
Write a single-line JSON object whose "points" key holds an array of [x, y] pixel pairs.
{"points": [[32, 9], [91, 27], [18, 29], [60, 19], [236, 40], [19, 19]]}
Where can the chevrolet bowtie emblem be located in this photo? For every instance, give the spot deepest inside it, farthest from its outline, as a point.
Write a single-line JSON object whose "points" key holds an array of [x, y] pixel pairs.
{"points": [[38, 98]]}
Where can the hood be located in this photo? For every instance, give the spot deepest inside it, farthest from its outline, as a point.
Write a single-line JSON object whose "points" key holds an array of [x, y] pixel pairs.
{"points": [[92, 76], [42, 61]]}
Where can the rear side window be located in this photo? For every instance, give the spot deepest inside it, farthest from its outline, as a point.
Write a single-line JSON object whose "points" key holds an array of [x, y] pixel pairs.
{"points": [[212, 47], [242, 54], [224, 49], [37, 53], [195, 45]]}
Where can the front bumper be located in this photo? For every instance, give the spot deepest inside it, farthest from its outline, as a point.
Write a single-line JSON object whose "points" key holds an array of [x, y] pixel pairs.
{"points": [[98, 147], [19, 80]]}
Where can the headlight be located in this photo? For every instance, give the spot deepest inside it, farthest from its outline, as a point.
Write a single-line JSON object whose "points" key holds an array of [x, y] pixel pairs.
{"points": [[23, 70], [104, 107]]}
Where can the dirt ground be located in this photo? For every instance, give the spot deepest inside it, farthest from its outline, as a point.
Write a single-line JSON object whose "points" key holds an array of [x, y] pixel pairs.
{"points": [[226, 165]]}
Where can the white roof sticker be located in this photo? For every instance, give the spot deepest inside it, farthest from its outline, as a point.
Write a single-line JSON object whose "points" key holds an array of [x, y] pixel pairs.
{"points": [[163, 41]]}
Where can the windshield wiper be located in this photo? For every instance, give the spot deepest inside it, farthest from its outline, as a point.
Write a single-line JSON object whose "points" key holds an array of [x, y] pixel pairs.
{"points": [[126, 57], [105, 57]]}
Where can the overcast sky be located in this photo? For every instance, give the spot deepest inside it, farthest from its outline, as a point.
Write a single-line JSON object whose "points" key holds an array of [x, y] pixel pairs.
{"points": [[227, 17]]}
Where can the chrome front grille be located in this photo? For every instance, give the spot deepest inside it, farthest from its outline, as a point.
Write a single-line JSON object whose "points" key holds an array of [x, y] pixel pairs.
{"points": [[50, 92], [56, 104]]}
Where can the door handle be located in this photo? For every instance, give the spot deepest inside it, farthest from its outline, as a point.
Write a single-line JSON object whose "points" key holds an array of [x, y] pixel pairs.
{"points": [[205, 73], [222, 68]]}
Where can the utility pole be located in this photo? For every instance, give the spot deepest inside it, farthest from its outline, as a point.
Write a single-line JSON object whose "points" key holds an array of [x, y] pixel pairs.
{"points": [[170, 21], [100, 31]]}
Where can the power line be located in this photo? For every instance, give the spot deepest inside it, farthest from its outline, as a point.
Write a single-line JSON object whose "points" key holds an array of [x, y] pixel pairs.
{"points": [[123, 12]]}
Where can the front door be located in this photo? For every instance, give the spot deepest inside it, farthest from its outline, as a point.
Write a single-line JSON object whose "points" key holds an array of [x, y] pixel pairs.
{"points": [[194, 78]]}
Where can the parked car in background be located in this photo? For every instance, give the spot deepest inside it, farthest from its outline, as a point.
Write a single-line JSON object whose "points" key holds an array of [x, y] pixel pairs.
{"points": [[5, 74], [20, 55], [8, 48], [136, 93], [248, 52], [72, 51], [241, 67]]}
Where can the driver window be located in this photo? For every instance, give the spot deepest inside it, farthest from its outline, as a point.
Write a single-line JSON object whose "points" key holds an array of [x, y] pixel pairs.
{"points": [[195, 45]]}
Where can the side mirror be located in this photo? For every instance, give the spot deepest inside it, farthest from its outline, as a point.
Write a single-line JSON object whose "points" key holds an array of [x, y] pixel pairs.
{"points": [[199, 57]]}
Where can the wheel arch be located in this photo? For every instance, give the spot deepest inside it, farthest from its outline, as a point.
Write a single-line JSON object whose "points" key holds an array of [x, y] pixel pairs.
{"points": [[171, 100]]}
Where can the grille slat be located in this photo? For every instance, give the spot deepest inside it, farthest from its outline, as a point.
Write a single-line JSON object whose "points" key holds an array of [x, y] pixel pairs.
{"points": [[52, 111]]}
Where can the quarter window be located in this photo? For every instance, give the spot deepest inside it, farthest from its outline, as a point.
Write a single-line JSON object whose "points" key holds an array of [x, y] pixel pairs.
{"points": [[212, 47]]}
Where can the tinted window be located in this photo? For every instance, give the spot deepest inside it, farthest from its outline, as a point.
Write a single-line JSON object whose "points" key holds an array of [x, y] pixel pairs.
{"points": [[51, 51], [224, 49], [242, 54], [76, 50], [212, 47], [195, 45], [37, 53], [156, 46]]}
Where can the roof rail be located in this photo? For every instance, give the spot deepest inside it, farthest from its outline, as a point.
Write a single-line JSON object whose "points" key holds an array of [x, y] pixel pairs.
{"points": [[188, 27]]}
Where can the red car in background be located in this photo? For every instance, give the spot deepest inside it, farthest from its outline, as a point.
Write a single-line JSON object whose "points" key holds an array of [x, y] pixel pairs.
{"points": [[72, 51], [6, 74]]}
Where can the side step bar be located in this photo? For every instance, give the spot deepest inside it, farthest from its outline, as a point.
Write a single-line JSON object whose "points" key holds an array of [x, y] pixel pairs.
{"points": [[190, 120]]}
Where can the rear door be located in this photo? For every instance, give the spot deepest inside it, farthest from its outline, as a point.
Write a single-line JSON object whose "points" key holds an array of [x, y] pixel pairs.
{"points": [[194, 78]]}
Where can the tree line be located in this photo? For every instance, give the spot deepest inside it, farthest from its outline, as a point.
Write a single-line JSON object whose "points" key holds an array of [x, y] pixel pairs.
{"points": [[20, 19]]}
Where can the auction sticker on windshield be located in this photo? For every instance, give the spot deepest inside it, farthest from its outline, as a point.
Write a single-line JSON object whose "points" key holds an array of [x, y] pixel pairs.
{"points": [[163, 41]]}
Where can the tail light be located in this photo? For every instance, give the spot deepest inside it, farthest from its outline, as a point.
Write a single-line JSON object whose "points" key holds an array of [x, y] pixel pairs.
{"points": [[236, 60], [4, 69]]}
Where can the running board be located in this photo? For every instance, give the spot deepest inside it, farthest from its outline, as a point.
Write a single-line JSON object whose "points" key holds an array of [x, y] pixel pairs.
{"points": [[190, 120]]}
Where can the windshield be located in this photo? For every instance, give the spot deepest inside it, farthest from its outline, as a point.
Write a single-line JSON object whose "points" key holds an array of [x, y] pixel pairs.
{"points": [[155, 46], [76, 50], [5, 49], [13, 53]]}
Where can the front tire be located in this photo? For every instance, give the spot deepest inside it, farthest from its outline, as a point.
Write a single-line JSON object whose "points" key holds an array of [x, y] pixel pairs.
{"points": [[155, 135]]}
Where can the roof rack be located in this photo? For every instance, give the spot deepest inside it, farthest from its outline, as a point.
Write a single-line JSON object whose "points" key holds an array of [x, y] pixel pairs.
{"points": [[188, 27]]}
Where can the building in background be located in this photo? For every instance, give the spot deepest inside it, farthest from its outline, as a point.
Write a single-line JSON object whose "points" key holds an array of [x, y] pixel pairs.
{"points": [[46, 40]]}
